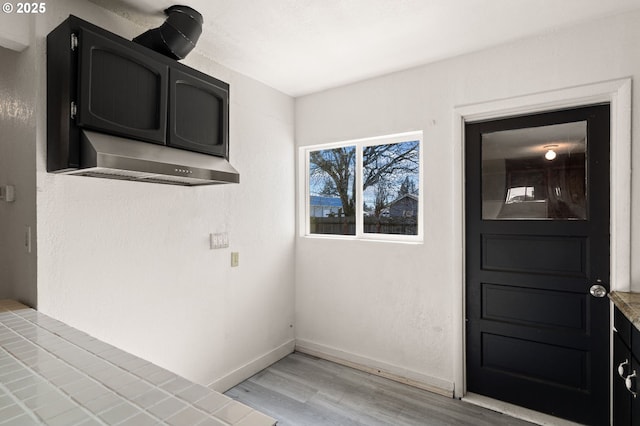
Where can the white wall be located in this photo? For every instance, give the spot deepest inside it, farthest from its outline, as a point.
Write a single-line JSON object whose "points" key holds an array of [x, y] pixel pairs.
{"points": [[395, 306], [130, 263], [15, 31], [17, 164]]}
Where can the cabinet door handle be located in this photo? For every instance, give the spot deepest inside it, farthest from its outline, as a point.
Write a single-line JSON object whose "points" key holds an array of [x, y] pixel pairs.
{"points": [[629, 383], [621, 368]]}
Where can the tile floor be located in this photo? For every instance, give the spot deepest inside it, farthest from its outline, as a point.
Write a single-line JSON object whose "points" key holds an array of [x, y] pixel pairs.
{"points": [[53, 374]]}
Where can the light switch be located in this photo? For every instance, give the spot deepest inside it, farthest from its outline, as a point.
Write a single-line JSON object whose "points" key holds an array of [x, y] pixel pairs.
{"points": [[218, 240], [235, 259]]}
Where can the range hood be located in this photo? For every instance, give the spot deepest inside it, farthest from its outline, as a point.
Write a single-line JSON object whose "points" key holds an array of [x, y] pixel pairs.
{"points": [[118, 110], [113, 157]]}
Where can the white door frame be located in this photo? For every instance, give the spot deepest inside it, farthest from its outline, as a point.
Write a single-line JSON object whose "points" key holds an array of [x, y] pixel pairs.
{"points": [[615, 92]]}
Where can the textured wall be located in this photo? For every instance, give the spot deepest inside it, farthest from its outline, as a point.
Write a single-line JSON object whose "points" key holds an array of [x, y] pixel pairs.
{"points": [[18, 85], [130, 262], [396, 305]]}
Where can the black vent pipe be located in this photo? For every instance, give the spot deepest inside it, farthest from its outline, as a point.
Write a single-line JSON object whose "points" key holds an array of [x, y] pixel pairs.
{"points": [[177, 36]]}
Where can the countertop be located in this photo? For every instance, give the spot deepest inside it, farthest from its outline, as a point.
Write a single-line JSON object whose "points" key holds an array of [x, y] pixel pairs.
{"points": [[629, 305], [53, 374]]}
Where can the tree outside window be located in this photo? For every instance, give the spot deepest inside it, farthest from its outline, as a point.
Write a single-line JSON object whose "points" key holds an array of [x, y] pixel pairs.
{"points": [[370, 187], [332, 175]]}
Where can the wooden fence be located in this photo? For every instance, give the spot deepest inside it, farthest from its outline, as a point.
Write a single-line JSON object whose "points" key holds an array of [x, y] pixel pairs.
{"points": [[347, 226]]}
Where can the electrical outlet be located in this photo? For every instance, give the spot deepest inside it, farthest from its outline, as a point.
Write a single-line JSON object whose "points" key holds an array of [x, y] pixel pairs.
{"points": [[8, 193], [27, 238], [235, 259]]}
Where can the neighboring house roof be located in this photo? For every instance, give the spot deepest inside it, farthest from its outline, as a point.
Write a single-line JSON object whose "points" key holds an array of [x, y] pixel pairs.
{"points": [[318, 200], [414, 197]]}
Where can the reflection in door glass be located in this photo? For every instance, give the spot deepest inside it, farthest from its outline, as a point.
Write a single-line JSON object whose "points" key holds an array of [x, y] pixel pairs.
{"points": [[535, 173]]}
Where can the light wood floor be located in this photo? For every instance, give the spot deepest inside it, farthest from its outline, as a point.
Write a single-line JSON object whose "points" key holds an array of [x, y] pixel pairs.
{"points": [[301, 390]]}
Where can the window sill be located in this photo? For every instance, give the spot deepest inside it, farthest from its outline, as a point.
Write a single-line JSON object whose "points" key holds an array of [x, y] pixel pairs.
{"points": [[390, 239]]}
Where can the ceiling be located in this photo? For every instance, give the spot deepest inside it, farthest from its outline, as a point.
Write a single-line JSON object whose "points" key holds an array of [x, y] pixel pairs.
{"points": [[305, 46], [531, 142]]}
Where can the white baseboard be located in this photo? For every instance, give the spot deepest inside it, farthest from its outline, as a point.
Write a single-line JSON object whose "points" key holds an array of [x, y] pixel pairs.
{"points": [[376, 367], [242, 373]]}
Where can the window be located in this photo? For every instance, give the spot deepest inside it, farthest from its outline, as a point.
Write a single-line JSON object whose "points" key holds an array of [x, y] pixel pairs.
{"points": [[536, 173], [368, 188], [519, 194]]}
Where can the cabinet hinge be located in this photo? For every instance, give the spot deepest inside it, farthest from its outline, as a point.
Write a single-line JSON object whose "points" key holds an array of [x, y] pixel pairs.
{"points": [[73, 110], [74, 41]]}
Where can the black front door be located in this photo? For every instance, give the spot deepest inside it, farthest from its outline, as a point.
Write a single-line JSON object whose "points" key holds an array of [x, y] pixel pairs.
{"points": [[537, 244]]}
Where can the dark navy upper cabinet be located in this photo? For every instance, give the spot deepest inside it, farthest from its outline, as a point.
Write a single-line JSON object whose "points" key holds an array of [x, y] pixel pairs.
{"points": [[100, 81], [122, 91], [198, 114]]}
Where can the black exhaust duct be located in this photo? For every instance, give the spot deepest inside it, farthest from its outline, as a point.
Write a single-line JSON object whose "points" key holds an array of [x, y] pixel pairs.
{"points": [[177, 36]]}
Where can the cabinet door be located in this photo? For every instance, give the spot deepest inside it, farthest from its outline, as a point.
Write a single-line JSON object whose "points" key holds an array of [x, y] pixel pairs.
{"points": [[623, 326], [198, 114], [621, 396], [635, 399], [122, 91]]}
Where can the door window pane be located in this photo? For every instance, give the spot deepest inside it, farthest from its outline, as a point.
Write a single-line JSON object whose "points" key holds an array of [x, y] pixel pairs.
{"points": [[535, 173]]}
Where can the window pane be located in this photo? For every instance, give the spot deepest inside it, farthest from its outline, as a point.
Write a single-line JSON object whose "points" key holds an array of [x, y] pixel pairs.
{"points": [[332, 191], [535, 173], [390, 188]]}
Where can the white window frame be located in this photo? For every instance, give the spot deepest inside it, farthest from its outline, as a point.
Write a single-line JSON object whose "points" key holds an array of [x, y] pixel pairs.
{"points": [[304, 207]]}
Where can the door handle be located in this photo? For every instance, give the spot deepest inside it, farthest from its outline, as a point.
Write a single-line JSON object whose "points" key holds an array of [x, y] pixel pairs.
{"points": [[621, 368], [598, 290], [629, 384]]}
